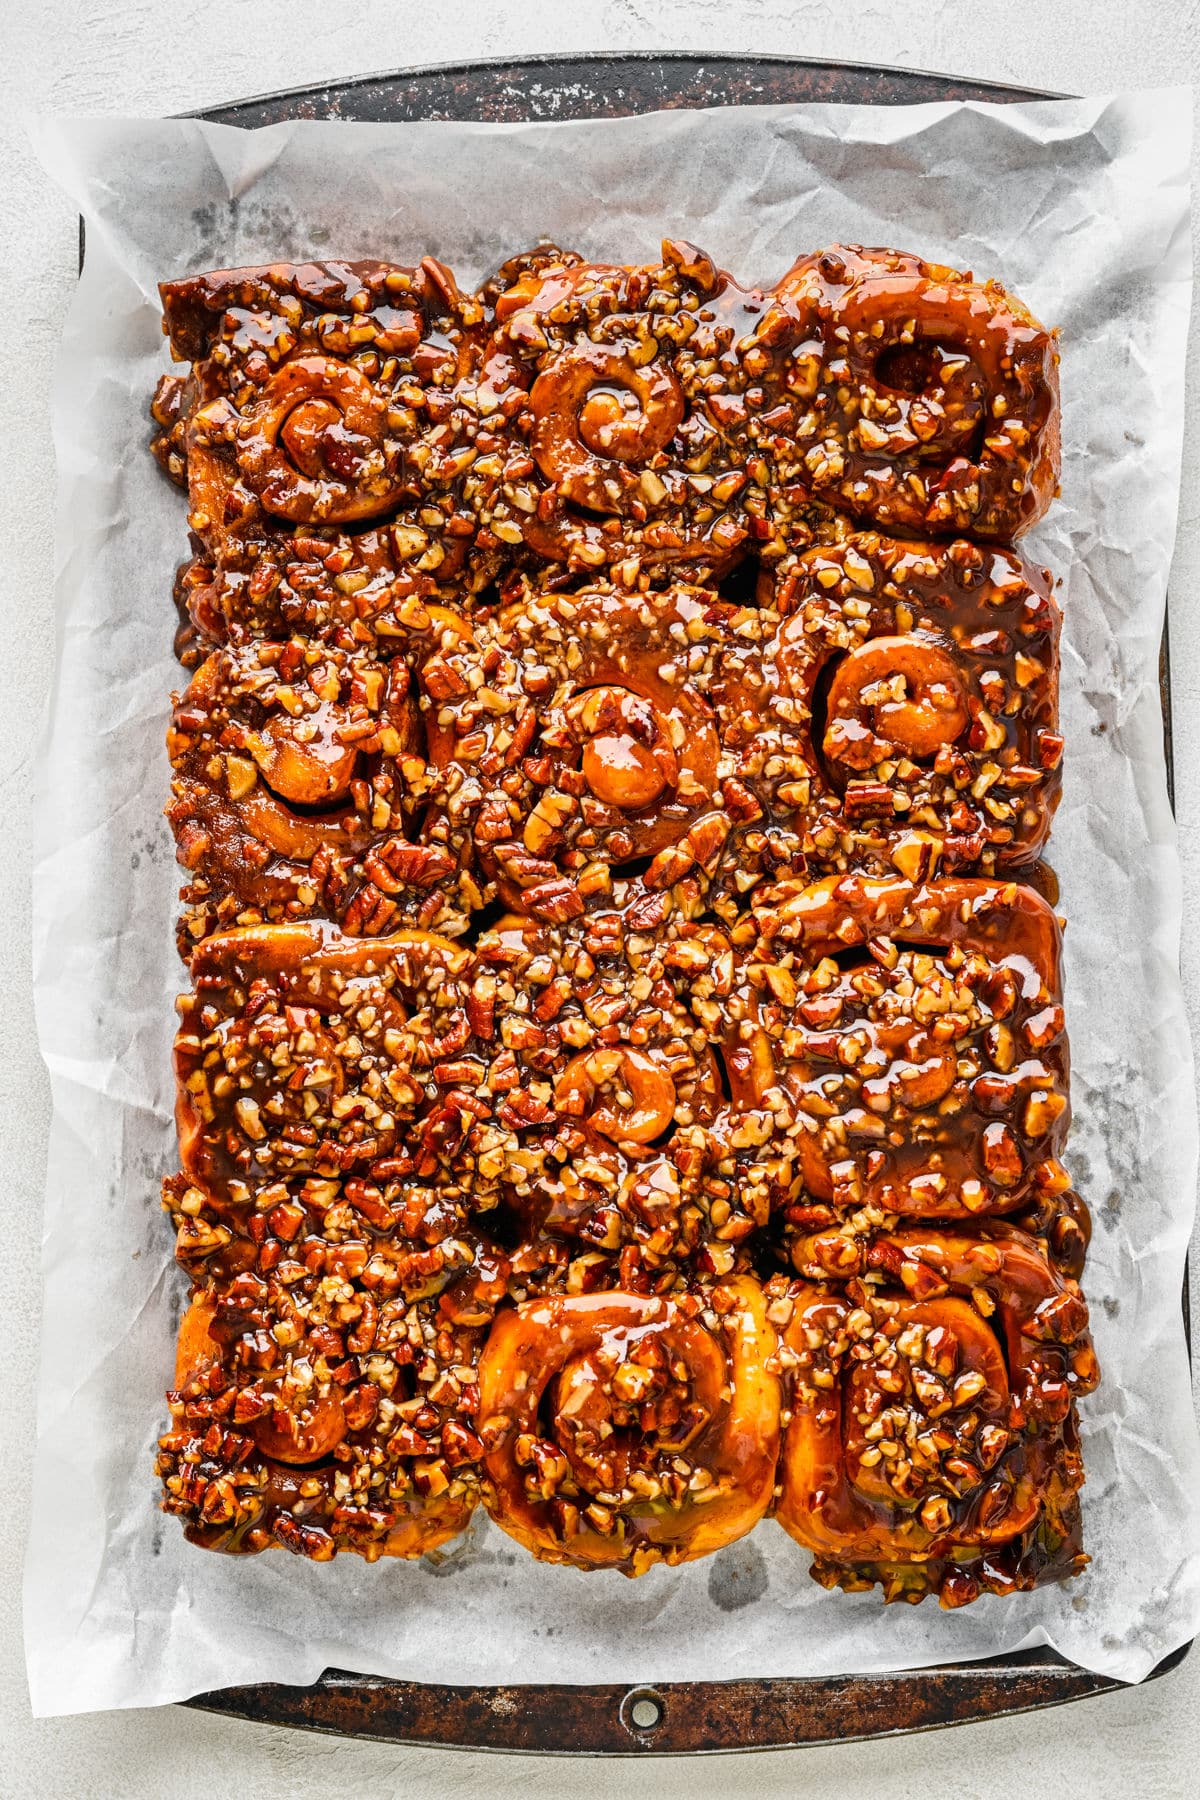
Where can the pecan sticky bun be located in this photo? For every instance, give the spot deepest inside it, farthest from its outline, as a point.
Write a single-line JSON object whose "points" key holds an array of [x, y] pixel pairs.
{"points": [[602, 728], [352, 590], [621, 1430], [311, 1063], [328, 434], [930, 673], [928, 402], [298, 788], [325, 1396], [612, 1128], [932, 1444], [915, 1037], [314, 390], [632, 446], [622, 1079]]}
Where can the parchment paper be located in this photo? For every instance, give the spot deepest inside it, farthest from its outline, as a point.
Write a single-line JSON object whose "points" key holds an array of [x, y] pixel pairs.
{"points": [[1082, 208]]}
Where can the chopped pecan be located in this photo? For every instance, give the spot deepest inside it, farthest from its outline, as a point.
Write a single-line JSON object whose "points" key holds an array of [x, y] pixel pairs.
{"points": [[396, 863], [554, 901]]}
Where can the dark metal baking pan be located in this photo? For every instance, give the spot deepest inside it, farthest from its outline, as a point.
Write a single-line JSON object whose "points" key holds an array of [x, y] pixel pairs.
{"points": [[673, 1716]]}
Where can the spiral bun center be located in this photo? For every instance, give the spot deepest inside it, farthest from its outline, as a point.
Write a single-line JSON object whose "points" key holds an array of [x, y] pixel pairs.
{"points": [[302, 1430], [305, 433], [620, 1404], [620, 1092], [309, 765], [628, 758], [894, 694], [613, 424]]}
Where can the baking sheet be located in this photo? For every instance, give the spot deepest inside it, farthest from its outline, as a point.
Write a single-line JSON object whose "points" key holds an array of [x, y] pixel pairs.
{"points": [[1082, 208]]}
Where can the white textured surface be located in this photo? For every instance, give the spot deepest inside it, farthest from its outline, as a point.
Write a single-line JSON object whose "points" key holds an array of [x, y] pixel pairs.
{"points": [[127, 56]]}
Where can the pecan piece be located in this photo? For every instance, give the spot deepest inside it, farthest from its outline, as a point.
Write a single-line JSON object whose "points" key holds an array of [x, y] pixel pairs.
{"points": [[554, 901], [395, 864]]}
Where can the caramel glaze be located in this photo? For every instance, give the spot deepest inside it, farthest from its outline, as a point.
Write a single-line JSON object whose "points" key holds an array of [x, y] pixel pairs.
{"points": [[932, 1444], [621, 1431], [324, 1397], [617, 722], [917, 1035]]}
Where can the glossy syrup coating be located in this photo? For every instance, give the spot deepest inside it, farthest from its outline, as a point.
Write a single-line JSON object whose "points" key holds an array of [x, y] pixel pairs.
{"points": [[622, 1430], [349, 589], [546, 645], [931, 675], [324, 1396], [912, 1039], [299, 787], [311, 1067], [925, 402], [931, 1445]]}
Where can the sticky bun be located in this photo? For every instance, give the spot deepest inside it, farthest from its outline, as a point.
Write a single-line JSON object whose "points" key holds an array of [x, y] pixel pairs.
{"points": [[623, 1079], [931, 1444], [622, 1430]]}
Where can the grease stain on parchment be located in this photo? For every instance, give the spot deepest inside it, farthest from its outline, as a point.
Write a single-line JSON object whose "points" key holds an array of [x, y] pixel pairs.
{"points": [[737, 1576]]}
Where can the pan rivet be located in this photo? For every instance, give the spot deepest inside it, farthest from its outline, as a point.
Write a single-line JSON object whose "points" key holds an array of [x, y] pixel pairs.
{"points": [[642, 1710]]}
